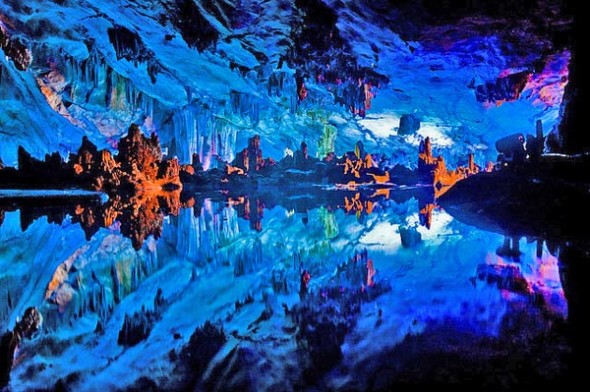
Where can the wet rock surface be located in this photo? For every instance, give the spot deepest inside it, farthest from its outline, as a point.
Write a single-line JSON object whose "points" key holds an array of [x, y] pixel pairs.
{"points": [[195, 356], [323, 318], [15, 49], [10, 341], [137, 327]]}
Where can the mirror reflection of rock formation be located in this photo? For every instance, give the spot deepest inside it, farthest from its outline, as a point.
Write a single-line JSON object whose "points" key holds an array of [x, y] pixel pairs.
{"points": [[9, 342], [143, 186], [139, 215]]}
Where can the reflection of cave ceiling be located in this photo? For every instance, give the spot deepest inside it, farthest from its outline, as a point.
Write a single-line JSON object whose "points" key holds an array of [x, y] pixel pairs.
{"points": [[207, 75]]}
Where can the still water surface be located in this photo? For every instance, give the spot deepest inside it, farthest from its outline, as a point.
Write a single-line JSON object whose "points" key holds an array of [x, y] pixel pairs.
{"points": [[438, 301]]}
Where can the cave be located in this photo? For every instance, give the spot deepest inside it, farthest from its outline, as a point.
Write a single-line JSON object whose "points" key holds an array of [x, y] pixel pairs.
{"points": [[292, 195]]}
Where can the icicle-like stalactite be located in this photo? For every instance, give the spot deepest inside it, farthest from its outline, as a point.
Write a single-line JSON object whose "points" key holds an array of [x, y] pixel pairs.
{"points": [[201, 238], [215, 230], [87, 80], [188, 235], [281, 86], [99, 99], [248, 259], [202, 131], [229, 225], [279, 82], [93, 283], [246, 105], [185, 132], [7, 91], [222, 140]]}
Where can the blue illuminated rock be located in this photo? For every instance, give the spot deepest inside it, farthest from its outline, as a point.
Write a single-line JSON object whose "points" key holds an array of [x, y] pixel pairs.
{"points": [[410, 236], [408, 124]]}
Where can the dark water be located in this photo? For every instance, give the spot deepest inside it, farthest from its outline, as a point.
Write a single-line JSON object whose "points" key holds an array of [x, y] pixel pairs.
{"points": [[396, 295]]}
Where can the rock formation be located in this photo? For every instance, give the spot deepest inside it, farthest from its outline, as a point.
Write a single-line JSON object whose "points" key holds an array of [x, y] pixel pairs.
{"points": [[435, 170], [408, 124], [196, 355], [250, 159], [14, 49], [143, 187], [138, 326], [138, 166], [325, 316], [10, 341]]}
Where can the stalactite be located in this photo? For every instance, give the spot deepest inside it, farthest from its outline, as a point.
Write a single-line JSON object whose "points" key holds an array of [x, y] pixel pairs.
{"points": [[106, 302], [151, 261], [188, 232], [106, 286], [201, 239], [185, 133], [223, 140], [249, 259], [8, 298], [246, 105], [135, 276], [199, 130], [92, 81], [6, 92]]}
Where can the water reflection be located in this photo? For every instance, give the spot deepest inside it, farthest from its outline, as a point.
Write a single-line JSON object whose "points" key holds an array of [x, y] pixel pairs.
{"points": [[141, 215], [390, 279]]}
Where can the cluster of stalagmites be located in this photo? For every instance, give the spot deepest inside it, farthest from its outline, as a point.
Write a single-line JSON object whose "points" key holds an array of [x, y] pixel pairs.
{"points": [[297, 167], [138, 167], [434, 168], [353, 168], [143, 186]]}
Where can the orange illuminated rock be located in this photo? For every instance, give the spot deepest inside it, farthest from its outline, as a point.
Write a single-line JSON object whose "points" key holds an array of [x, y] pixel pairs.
{"points": [[60, 275], [425, 153], [255, 154], [137, 215], [229, 170], [188, 169], [169, 173], [435, 169], [96, 167], [137, 152], [250, 159], [380, 179], [142, 218], [302, 92], [242, 161], [139, 164]]}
